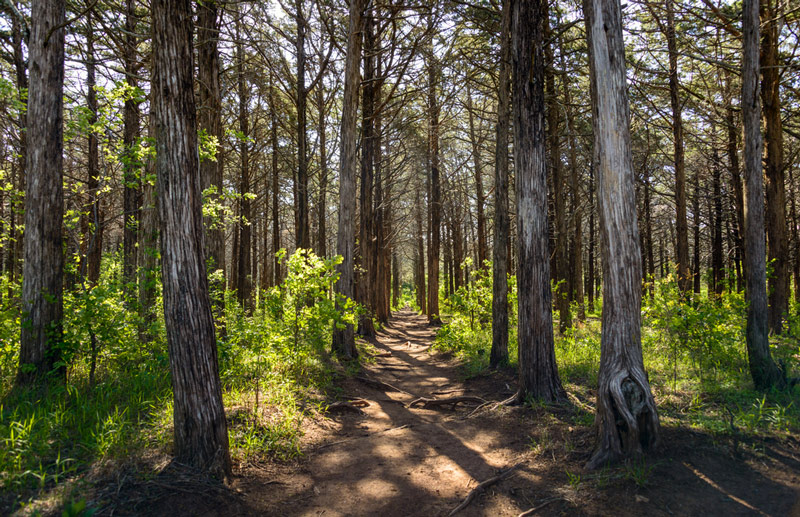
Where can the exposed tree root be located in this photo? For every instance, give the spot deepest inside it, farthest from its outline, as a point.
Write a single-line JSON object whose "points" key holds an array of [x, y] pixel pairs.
{"points": [[481, 487], [382, 385], [352, 405], [426, 403]]}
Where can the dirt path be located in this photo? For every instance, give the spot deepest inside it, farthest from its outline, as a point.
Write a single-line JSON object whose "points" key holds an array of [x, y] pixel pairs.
{"points": [[396, 460]]}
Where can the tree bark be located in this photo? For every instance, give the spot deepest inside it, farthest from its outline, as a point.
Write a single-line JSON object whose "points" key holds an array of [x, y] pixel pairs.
{"points": [[627, 420], [681, 225], [763, 369], [322, 209], [209, 118], [244, 276], [43, 267], [131, 167], [436, 189], [499, 352], [276, 228], [343, 338], [420, 258], [94, 244], [303, 230], [538, 374], [480, 196], [717, 257], [201, 435], [778, 250]]}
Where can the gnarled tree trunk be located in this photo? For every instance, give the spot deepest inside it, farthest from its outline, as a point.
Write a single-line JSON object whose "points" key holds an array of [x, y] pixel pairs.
{"points": [[627, 420]]}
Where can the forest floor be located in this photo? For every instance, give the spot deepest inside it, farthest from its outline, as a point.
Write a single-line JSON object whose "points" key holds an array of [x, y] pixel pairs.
{"points": [[393, 458]]}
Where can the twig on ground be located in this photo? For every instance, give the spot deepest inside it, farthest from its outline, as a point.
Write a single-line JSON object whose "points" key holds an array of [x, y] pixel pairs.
{"points": [[535, 509], [427, 403], [481, 487], [352, 405]]}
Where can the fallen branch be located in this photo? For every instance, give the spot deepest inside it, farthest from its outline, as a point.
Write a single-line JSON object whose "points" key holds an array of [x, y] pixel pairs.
{"points": [[535, 509], [481, 487], [381, 385], [383, 354], [394, 368], [477, 409], [427, 403]]}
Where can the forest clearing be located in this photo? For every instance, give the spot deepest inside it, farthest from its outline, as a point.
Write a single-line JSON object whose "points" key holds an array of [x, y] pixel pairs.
{"points": [[353, 257]]}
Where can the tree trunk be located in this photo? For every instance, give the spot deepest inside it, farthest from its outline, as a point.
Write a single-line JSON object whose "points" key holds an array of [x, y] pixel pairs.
{"points": [[538, 374], [303, 230], [244, 278], [478, 165], [43, 267], [627, 420], [209, 119], [366, 244], [276, 228], [420, 259], [343, 338], [148, 240], [322, 209], [763, 369], [558, 183], [499, 352], [682, 227], [717, 257], [201, 435], [776, 179], [18, 180], [696, 218], [131, 168], [590, 279], [436, 189], [94, 244]]}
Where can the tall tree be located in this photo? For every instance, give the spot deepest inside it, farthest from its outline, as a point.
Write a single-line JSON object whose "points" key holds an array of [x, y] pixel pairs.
{"points": [[244, 277], [778, 250], [435, 193], [499, 352], [627, 420], [538, 374], [130, 161], [344, 338], [763, 369], [201, 435], [209, 119], [43, 269], [682, 226]]}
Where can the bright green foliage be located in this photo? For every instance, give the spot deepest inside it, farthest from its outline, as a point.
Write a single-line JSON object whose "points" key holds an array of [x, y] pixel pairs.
{"points": [[468, 317], [272, 364], [694, 354]]}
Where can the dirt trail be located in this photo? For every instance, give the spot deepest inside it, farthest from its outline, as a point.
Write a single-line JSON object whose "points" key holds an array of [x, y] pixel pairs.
{"points": [[396, 460]]}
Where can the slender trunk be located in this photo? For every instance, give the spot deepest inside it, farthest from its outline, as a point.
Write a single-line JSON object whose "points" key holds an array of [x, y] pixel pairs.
{"points": [[209, 118], [627, 420], [778, 250], [538, 374], [148, 273], [322, 209], [558, 182], [591, 280], [94, 238], [366, 244], [343, 338], [303, 230], [276, 228], [43, 267], [763, 369], [420, 258], [244, 279], [696, 220], [131, 167], [480, 197], [499, 352], [577, 201], [436, 190], [717, 273], [682, 227], [18, 180]]}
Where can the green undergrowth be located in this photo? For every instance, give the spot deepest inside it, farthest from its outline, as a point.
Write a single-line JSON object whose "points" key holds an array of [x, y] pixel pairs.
{"points": [[275, 370], [694, 353]]}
